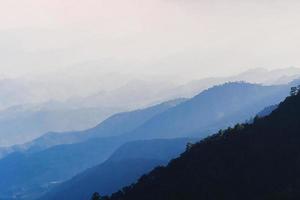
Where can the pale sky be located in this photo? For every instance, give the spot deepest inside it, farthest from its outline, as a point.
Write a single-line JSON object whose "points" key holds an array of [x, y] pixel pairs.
{"points": [[191, 38]]}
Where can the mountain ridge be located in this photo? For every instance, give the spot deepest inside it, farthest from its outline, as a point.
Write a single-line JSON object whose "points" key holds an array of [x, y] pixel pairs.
{"points": [[124, 166], [204, 113], [250, 161]]}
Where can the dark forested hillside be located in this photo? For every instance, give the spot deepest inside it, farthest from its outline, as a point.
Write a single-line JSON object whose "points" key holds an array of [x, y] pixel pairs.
{"points": [[258, 161]]}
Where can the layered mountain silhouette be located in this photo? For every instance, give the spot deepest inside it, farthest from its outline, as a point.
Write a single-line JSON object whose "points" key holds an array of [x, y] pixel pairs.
{"points": [[115, 125], [47, 161], [20, 124], [218, 107], [215, 108], [250, 161], [124, 167], [29, 174], [30, 108]]}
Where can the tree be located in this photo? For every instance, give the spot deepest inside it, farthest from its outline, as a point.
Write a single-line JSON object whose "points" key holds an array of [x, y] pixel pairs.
{"points": [[189, 145], [294, 91], [239, 127], [256, 118], [96, 196]]}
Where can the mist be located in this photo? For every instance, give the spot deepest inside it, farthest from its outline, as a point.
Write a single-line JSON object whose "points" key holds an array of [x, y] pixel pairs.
{"points": [[193, 38], [119, 55]]}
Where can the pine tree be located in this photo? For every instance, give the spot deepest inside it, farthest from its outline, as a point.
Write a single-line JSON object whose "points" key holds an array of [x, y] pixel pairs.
{"points": [[96, 196]]}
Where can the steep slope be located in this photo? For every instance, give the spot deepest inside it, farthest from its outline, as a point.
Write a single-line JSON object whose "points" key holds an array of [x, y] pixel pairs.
{"points": [[267, 111], [129, 162], [251, 161], [215, 108]]}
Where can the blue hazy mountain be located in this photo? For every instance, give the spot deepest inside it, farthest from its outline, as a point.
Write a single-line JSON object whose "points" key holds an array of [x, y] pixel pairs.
{"points": [[259, 161], [22, 173], [218, 107], [115, 125], [215, 108], [30, 108], [20, 124], [129, 162], [38, 168], [126, 122]]}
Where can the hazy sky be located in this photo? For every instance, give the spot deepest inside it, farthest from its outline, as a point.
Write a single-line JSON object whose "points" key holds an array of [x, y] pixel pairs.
{"points": [[193, 38]]}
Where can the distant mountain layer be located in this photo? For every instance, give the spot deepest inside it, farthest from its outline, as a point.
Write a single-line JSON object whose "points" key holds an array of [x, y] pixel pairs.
{"points": [[115, 125], [251, 161], [30, 174], [60, 102], [35, 169], [215, 108], [129, 162], [21, 124]]}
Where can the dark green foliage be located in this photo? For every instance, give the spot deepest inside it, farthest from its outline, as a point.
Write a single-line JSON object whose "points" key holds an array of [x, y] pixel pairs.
{"points": [[96, 196], [258, 161]]}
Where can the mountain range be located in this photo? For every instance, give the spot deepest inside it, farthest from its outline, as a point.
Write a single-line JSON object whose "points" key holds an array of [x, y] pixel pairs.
{"points": [[113, 126], [259, 161], [40, 167], [27, 111], [124, 166]]}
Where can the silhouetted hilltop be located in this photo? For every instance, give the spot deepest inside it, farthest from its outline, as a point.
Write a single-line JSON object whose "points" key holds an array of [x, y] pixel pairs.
{"points": [[251, 161]]}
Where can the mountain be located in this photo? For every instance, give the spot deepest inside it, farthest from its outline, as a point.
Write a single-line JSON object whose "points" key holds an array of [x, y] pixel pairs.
{"points": [[126, 122], [257, 76], [240, 101], [124, 167], [250, 161], [27, 174], [59, 102], [269, 77], [20, 124], [218, 107], [115, 125], [46, 161]]}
